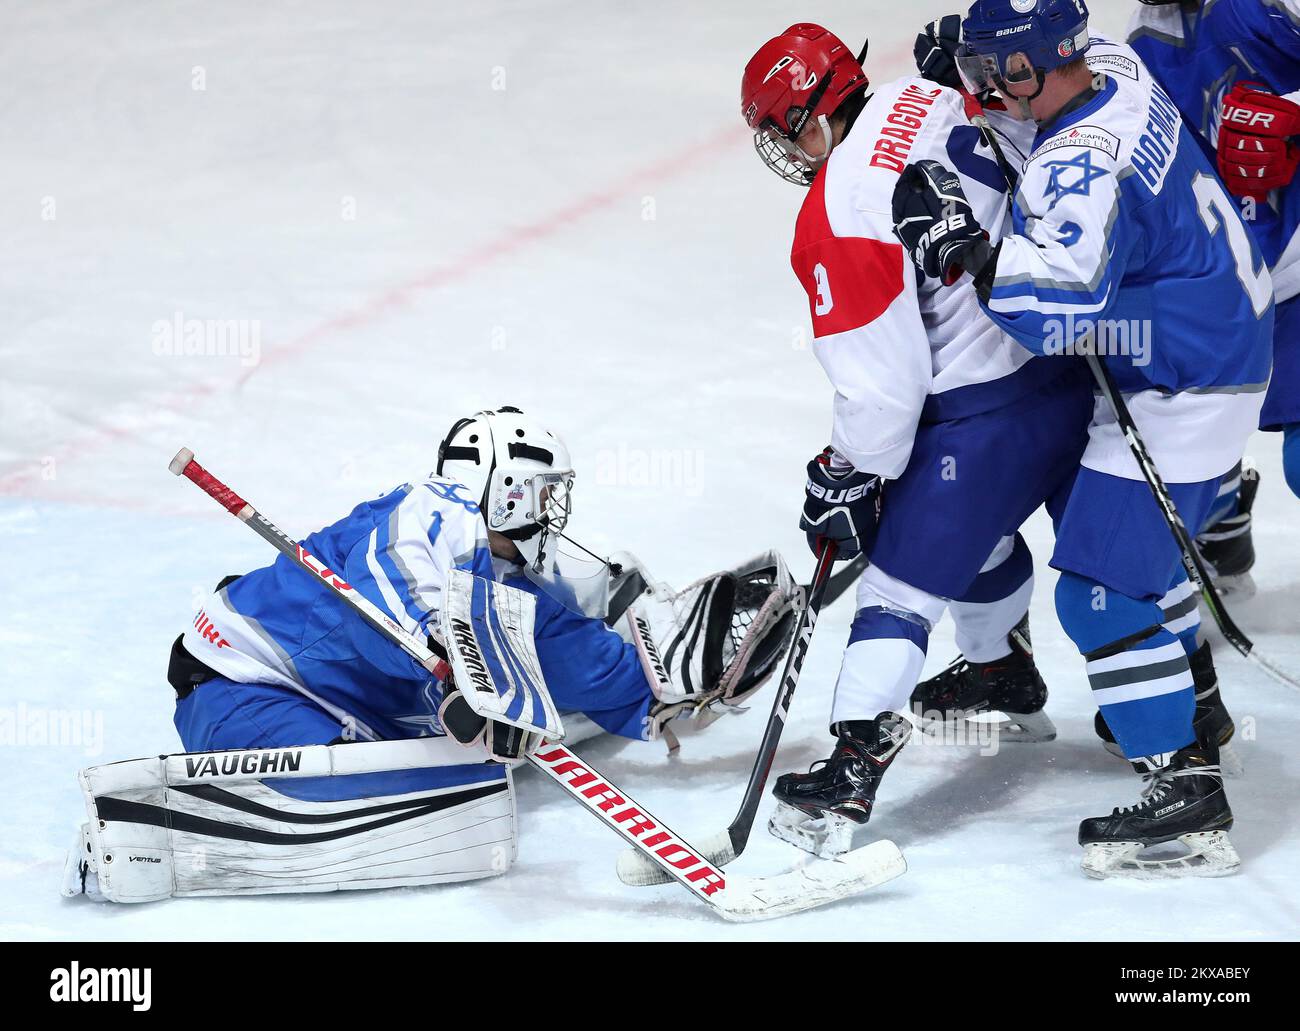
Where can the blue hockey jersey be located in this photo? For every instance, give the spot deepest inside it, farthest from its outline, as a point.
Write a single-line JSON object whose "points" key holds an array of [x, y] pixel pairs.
{"points": [[1123, 234], [1197, 56], [275, 626]]}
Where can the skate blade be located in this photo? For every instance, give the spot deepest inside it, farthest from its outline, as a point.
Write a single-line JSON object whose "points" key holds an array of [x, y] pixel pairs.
{"points": [[827, 837], [1229, 761], [1210, 854], [1028, 727], [978, 728]]}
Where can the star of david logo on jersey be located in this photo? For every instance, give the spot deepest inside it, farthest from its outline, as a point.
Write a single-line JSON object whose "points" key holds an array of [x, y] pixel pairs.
{"points": [[1071, 176]]}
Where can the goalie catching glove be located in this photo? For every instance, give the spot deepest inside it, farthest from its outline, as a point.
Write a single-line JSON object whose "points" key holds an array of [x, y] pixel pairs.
{"points": [[716, 641]]}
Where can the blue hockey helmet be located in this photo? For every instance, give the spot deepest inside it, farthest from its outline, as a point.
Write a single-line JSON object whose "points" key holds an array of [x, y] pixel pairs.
{"points": [[1012, 44]]}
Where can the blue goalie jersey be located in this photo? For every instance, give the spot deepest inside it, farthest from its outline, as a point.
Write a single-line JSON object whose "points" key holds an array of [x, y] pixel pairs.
{"points": [[275, 626]]}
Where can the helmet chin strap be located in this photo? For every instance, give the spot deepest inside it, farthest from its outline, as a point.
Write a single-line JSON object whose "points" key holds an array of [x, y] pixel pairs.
{"points": [[533, 548], [824, 124], [535, 559], [1026, 112], [614, 568]]}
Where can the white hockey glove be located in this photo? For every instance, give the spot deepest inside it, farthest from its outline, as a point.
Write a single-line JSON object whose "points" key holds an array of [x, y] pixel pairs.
{"points": [[720, 638]]}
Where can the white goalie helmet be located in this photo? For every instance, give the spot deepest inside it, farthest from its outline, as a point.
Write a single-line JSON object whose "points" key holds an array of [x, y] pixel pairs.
{"points": [[520, 473]]}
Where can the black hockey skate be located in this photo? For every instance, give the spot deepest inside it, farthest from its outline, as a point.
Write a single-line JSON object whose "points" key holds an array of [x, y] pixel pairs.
{"points": [[1211, 721], [818, 809], [1228, 548], [1182, 801], [967, 690]]}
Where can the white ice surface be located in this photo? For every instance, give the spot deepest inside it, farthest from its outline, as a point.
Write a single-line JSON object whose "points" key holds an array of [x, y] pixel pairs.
{"points": [[596, 243]]}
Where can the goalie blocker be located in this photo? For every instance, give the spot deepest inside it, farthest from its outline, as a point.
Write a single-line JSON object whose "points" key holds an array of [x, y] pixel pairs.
{"points": [[269, 821]]}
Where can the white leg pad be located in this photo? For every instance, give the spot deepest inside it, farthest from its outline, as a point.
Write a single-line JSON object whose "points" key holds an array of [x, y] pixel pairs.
{"points": [[318, 818]]}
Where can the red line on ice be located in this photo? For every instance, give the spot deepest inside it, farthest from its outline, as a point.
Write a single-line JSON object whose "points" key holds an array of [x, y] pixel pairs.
{"points": [[20, 481]]}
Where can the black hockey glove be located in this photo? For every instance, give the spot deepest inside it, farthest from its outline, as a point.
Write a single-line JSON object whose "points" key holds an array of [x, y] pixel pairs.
{"points": [[936, 48], [457, 718], [841, 504], [505, 744], [936, 225]]}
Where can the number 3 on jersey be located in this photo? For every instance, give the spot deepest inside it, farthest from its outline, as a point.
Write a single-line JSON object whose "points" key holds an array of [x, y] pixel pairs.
{"points": [[823, 302]]}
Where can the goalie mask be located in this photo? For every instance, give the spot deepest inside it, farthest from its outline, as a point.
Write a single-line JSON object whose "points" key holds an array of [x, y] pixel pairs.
{"points": [[521, 475]]}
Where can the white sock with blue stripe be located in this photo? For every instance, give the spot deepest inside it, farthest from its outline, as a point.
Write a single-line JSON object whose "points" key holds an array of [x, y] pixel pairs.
{"points": [[886, 650]]}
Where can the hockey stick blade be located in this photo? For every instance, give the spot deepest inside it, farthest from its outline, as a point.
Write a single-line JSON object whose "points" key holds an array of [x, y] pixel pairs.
{"points": [[814, 884], [636, 872]]}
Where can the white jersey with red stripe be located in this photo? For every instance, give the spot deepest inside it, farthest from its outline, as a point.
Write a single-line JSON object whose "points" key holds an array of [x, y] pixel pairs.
{"points": [[896, 346]]}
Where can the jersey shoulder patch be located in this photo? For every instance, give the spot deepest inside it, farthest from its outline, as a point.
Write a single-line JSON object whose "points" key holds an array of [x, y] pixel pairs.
{"points": [[1112, 63]]}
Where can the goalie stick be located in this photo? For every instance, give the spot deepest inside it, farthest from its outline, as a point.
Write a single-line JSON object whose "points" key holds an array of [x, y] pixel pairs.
{"points": [[1193, 564], [734, 898], [724, 846]]}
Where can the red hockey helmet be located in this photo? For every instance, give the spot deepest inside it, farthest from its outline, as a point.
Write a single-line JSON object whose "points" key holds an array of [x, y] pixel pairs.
{"points": [[805, 73]]}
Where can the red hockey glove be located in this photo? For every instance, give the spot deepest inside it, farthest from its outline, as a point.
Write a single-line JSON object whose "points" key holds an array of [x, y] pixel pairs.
{"points": [[1255, 154]]}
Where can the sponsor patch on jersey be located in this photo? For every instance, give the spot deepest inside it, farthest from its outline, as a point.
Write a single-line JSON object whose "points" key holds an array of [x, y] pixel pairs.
{"points": [[1093, 136], [1114, 64]]}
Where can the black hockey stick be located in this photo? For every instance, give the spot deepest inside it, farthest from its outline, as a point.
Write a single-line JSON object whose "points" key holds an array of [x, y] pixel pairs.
{"points": [[1191, 557], [723, 847]]}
